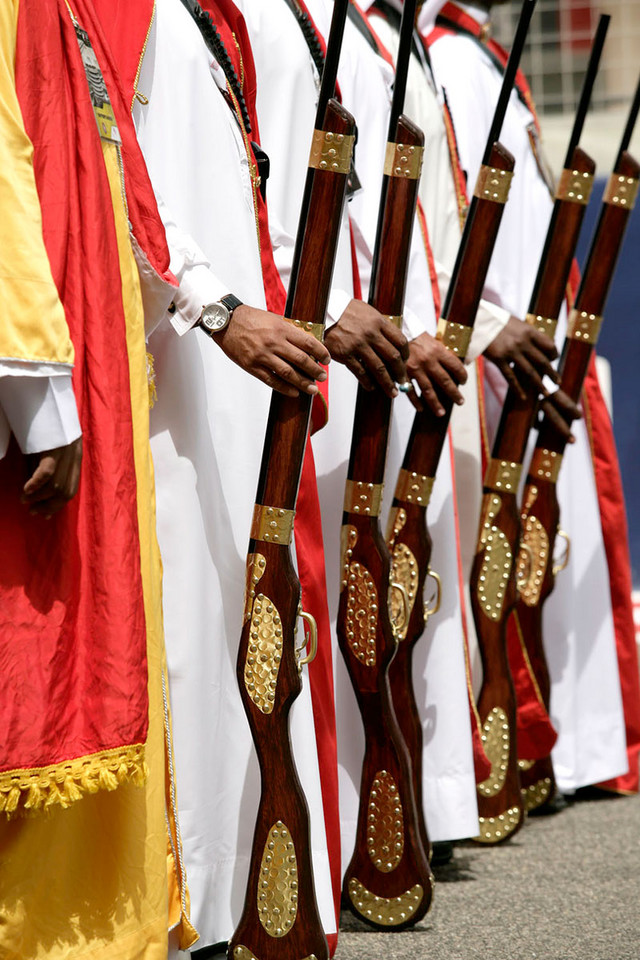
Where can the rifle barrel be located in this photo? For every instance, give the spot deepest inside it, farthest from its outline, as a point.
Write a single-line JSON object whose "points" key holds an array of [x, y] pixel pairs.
{"points": [[402, 65], [509, 76], [587, 86], [631, 122], [330, 71]]}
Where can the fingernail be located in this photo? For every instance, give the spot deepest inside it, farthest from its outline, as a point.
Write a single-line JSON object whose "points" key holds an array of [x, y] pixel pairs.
{"points": [[460, 401], [441, 411], [322, 375], [394, 393]]}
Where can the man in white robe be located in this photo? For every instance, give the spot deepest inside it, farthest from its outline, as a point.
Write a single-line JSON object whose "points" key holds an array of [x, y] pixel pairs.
{"points": [[586, 706]]}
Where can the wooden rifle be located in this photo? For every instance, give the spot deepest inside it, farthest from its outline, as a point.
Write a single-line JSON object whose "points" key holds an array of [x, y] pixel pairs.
{"points": [[280, 917], [493, 574], [536, 568], [408, 535], [388, 882]]}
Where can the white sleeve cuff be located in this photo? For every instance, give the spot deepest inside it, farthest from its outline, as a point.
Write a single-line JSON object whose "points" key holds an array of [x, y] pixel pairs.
{"points": [[412, 325], [41, 411], [339, 300], [198, 287], [490, 320]]}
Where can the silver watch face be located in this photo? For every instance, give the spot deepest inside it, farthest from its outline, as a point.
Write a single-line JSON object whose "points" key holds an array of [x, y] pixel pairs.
{"points": [[215, 317]]}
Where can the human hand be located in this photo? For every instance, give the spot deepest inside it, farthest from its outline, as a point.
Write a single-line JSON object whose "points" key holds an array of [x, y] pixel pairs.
{"points": [[274, 350], [54, 479], [434, 368], [561, 411], [523, 355], [370, 346]]}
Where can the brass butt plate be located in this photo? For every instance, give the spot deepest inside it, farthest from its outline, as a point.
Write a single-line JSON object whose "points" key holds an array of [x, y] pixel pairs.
{"points": [[536, 794], [495, 829], [503, 475], [545, 465], [575, 186], [455, 336], [363, 498], [331, 152], [493, 184], [546, 325], [272, 524], [584, 326], [621, 191], [243, 953], [403, 161], [385, 911], [414, 488]]}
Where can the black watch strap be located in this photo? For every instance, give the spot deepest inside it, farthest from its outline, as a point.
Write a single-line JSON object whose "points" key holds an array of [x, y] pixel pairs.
{"points": [[230, 302]]}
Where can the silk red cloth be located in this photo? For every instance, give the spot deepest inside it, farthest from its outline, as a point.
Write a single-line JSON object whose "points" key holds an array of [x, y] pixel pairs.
{"points": [[73, 637]]}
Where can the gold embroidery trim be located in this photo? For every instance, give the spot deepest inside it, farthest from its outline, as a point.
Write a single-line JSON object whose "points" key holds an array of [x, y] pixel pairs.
{"points": [[414, 488], [363, 498], [621, 191], [503, 475], [455, 336], [272, 524], [403, 161], [493, 184], [313, 329], [545, 464], [331, 151], [584, 326], [575, 186], [545, 325]]}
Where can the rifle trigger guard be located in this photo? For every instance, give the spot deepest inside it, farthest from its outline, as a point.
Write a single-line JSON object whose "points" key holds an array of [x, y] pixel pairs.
{"points": [[310, 620], [432, 605], [564, 559], [406, 603], [523, 573]]}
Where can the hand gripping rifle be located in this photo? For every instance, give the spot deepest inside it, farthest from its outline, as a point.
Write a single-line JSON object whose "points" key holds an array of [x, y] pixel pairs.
{"points": [[407, 535], [493, 575], [540, 512], [388, 882], [280, 916]]}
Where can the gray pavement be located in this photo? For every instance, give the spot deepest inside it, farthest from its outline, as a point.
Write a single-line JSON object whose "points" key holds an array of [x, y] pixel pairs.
{"points": [[567, 886]]}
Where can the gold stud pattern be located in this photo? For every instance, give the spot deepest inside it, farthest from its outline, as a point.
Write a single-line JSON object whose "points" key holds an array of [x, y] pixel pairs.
{"points": [[503, 475], [348, 540], [546, 325], [278, 884], [621, 191], [243, 953], [584, 326], [404, 570], [256, 566], [385, 823], [363, 498], [496, 561], [414, 488], [493, 829], [495, 740], [545, 465], [536, 794], [525, 765], [331, 151], [575, 186], [362, 614], [493, 184], [532, 560], [455, 336], [386, 911], [264, 653], [403, 161], [272, 524], [397, 520], [313, 329]]}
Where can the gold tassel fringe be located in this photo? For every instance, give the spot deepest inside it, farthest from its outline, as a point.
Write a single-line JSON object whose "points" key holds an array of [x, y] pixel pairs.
{"points": [[151, 381], [25, 792]]}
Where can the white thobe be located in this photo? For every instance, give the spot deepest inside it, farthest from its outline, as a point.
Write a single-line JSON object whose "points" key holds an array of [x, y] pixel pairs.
{"points": [[586, 705], [207, 435]]}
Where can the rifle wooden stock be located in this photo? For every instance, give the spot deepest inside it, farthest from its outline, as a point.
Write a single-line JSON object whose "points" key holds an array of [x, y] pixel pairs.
{"points": [[495, 595], [536, 570], [408, 536], [280, 916], [388, 882]]}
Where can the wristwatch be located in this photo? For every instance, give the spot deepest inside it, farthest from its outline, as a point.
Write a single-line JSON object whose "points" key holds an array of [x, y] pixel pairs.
{"points": [[216, 316]]}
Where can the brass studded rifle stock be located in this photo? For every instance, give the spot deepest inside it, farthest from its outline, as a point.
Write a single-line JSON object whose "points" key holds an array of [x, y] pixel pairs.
{"points": [[280, 919], [536, 567]]}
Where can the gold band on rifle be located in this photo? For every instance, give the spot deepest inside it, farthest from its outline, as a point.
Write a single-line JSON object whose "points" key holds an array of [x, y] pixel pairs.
{"points": [[403, 161], [455, 336], [575, 186], [272, 524], [331, 151], [503, 475], [363, 498], [313, 329], [584, 326], [621, 191], [414, 488], [493, 184], [545, 465], [545, 325], [395, 320]]}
